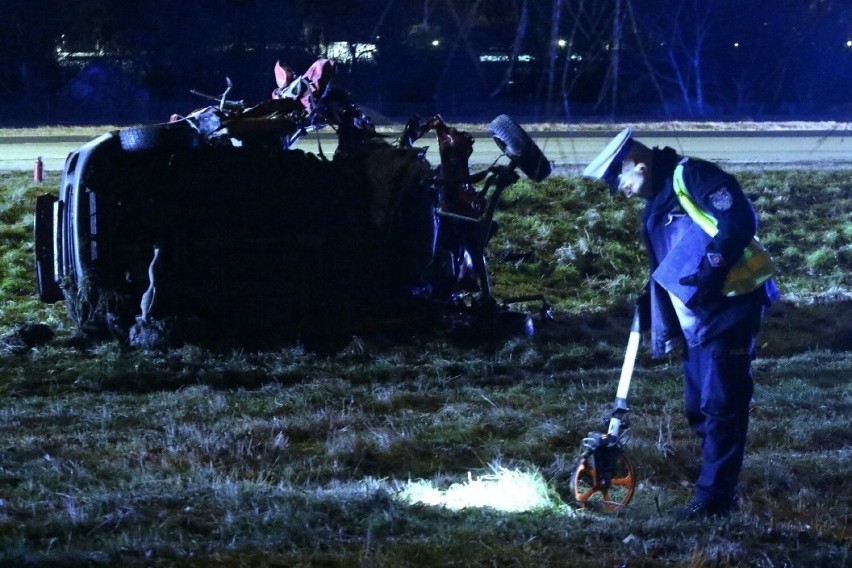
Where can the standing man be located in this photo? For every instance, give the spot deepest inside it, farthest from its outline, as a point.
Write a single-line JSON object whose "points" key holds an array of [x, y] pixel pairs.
{"points": [[710, 283]]}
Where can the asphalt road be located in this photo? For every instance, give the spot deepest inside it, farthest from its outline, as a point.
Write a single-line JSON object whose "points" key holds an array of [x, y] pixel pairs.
{"points": [[569, 151]]}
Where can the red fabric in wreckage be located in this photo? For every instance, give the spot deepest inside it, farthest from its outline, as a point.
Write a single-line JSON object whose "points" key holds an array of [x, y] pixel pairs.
{"points": [[455, 148]]}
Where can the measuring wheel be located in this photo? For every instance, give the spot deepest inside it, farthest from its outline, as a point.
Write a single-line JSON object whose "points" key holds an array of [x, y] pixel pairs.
{"points": [[603, 478]]}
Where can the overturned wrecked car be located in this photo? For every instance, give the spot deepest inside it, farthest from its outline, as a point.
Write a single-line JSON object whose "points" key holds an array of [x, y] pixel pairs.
{"points": [[214, 227]]}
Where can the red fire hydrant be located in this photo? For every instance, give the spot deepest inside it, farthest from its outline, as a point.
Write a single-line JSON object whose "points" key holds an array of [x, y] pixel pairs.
{"points": [[38, 170]]}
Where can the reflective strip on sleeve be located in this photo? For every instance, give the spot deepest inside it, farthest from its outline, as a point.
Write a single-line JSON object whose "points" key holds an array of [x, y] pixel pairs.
{"points": [[754, 267]]}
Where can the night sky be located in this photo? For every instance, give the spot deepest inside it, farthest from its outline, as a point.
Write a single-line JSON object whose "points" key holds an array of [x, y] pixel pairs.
{"points": [[557, 59]]}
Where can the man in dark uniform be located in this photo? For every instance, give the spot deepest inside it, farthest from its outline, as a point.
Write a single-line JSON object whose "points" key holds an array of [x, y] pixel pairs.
{"points": [[710, 283]]}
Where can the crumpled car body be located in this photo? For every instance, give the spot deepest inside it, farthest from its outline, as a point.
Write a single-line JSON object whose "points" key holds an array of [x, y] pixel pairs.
{"points": [[172, 237]]}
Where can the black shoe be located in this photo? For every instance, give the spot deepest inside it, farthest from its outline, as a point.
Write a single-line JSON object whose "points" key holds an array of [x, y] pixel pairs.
{"points": [[697, 510]]}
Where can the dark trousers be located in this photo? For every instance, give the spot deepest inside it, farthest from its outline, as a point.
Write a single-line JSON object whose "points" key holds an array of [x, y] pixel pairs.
{"points": [[718, 387]]}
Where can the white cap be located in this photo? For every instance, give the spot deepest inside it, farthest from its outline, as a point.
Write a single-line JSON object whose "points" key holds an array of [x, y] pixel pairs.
{"points": [[610, 157]]}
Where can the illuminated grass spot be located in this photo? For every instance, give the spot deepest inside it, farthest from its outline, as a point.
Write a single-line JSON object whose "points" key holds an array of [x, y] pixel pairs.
{"points": [[504, 489]]}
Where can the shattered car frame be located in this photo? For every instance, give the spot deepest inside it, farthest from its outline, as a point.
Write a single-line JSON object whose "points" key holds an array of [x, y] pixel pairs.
{"points": [[213, 226]]}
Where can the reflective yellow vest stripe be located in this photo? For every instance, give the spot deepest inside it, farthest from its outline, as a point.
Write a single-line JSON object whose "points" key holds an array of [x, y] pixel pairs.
{"points": [[754, 267]]}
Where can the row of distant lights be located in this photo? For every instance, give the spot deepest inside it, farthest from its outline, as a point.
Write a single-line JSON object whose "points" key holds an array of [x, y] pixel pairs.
{"points": [[560, 43], [524, 58], [340, 51], [490, 58], [848, 44]]}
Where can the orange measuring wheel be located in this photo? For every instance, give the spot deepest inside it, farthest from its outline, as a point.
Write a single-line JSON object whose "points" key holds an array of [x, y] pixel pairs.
{"points": [[604, 477], [610, 485]]}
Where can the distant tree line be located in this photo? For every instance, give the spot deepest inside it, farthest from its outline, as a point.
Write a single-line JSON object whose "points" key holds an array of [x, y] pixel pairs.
{"points": [[563, 58]]}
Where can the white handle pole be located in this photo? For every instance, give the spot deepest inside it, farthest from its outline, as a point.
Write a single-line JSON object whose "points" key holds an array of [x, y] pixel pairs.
{"points": [[629, 359], [626, 375]]}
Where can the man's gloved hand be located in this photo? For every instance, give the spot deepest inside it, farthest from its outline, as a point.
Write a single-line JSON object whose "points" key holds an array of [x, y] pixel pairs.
{"points": [[708, 280]]}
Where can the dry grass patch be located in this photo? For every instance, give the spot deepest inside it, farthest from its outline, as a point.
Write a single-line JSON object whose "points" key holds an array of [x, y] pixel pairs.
{"points": [[294, 456]]}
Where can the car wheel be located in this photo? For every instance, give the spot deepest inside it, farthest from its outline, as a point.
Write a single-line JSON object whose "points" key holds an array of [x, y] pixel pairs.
{"points": [[517, 144], [172, 136]]}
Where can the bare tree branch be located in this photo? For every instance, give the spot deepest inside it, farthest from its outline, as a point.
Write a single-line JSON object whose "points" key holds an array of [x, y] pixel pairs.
{"points": [[520, 36]]}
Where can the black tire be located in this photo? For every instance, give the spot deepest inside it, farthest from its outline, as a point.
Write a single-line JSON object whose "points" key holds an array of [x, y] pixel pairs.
{"points": [[172, 136], [517, 144]]}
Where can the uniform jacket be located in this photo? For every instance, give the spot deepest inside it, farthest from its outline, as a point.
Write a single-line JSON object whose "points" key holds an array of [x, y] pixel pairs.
{"points": [[718, 193]]}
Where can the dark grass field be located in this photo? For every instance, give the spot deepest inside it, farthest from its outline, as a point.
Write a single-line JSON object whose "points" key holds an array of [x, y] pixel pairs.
{"points": [[416, 448]]}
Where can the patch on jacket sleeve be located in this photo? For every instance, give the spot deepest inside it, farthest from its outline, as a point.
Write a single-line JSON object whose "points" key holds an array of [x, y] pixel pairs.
{"points": [[721, 199], [715, 259]]}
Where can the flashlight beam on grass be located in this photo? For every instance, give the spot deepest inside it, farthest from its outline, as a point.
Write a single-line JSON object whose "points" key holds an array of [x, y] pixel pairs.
{"points": [[503, 490]]}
